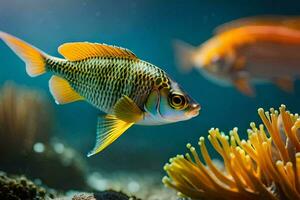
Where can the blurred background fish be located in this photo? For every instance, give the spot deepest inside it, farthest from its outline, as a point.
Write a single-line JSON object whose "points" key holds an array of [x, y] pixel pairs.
{"points": [[257, 49]]}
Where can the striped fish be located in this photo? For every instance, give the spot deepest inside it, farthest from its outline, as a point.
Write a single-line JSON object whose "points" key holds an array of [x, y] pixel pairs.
{"points": [[114, 80]]}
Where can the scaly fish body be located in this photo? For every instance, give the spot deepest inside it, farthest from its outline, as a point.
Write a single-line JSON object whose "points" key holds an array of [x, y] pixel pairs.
{"points": [[103, 81], [264, 49], [130, 91]]}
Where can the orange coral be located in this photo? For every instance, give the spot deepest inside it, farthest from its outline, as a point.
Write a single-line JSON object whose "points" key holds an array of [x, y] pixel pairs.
{"points": [[266, 166]]}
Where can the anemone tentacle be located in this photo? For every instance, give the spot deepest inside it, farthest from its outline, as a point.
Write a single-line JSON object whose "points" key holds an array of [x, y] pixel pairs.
{"points": [[265, 166]]}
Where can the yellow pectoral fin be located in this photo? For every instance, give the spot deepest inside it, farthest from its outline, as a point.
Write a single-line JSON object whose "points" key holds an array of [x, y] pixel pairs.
{"points": [[62, 92], [127, 110], [239, 63], [109, 129]]}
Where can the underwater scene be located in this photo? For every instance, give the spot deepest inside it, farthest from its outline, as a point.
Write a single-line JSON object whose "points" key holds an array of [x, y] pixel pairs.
{"points": [[151, 100]]}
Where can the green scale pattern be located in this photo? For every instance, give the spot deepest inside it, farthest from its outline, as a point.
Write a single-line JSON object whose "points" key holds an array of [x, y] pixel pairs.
{"points": [[103, 81]]}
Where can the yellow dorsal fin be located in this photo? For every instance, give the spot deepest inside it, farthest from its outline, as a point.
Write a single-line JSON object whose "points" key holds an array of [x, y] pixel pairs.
{"points": [[62, 92], [109, 128], [75, 51], [292, 22]]}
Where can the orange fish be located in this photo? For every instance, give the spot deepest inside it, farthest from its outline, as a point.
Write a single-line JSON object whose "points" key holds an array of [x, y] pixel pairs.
{"points": [[256, 49]]}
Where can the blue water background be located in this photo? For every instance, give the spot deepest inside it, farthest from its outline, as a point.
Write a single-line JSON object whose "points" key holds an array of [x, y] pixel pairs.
{"points": [[148, 29]]}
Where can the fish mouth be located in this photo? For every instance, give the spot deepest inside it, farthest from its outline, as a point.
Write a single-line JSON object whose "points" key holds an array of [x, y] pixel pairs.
{"points": [[194, 110]]}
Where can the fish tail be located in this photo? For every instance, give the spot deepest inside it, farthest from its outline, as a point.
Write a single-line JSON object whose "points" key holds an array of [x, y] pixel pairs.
{"points": [[184, 55], [34, 58]]}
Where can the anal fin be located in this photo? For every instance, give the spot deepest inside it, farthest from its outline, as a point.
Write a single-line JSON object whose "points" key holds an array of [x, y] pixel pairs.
{"points": [[285, 83], [109, 128], [242, 83], [62, 91]]}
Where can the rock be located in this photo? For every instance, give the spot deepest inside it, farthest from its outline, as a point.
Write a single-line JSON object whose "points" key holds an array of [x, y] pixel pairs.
{"points": [[20, 188], [112, 195], [105, 195]]}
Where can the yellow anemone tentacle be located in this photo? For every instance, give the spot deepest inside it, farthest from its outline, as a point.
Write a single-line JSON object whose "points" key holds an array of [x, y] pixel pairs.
{"points": [[264, 166]]}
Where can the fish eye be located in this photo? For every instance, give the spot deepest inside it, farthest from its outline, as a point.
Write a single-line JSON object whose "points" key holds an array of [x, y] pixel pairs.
{"points": [[177, 101], [215, 60]]}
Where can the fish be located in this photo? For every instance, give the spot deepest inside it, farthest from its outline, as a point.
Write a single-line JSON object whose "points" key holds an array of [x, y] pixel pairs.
{"points": [[247, 51], [113, 79]]}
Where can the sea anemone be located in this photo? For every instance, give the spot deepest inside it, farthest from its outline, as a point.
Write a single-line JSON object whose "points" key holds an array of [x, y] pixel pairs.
{"points": [[266, 166]]}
